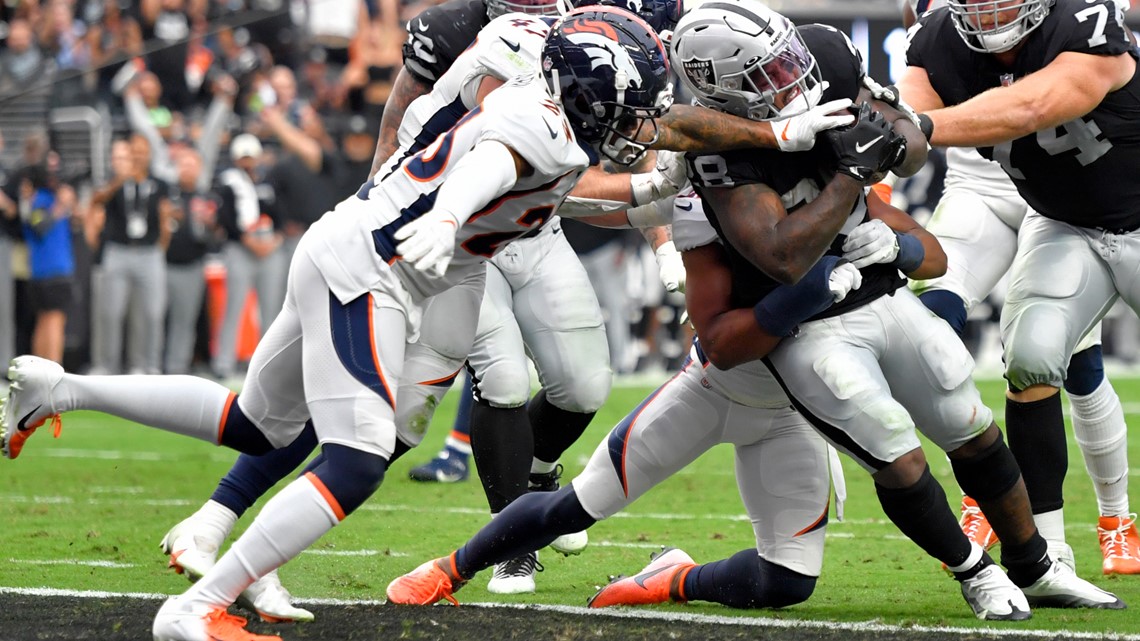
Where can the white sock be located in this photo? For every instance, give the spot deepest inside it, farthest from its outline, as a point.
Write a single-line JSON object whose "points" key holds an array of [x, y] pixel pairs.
{"points": [[1051, 525], [185, 405], [1098, 424], [458, 445], [290, 522], [217, 518], [542, 467]]}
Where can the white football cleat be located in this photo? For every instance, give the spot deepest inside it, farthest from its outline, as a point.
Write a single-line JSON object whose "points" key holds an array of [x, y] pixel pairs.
{"points": [[993, 597], [193, 547], [515, 576], [29, 402], [1060, 587], [571, 544], [180, 620], [268, 599]]}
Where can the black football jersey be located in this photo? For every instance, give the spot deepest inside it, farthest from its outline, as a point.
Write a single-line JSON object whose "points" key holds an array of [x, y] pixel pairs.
{"points": [[439, 34], [798, 177], [1082, 172]]}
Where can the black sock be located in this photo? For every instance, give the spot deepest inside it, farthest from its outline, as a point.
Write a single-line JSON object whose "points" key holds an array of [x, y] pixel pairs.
{"points": [[503, 446], [1026, 563], [745, 580], [555, 429], [1036, 434], [922, 512]]}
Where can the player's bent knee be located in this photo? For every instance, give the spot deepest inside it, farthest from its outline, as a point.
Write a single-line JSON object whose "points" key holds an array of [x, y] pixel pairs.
{"points": [[350, 475], [583, 394], [503, 386], [988, 474], [948, 306], [240, 433]]}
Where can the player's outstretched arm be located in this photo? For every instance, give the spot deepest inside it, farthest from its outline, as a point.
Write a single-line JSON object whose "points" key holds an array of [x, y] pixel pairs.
{"points": [[1067, 88], [732, 336], [697, 129]]}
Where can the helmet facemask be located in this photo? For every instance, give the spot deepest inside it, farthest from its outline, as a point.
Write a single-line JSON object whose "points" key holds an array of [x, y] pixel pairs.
{"points": [[633, 130], [791, 77], [996, 37]]}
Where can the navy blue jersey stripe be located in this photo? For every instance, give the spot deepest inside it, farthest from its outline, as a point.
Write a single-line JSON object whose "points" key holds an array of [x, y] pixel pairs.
{"points": [[351, 326]]}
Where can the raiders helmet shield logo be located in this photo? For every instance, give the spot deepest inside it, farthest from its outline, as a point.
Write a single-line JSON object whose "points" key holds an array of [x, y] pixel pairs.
{"points": [[700, 71]]}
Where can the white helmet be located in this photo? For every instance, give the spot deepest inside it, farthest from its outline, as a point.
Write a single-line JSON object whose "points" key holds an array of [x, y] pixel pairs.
{"points": [[996, 37], [739, 56]]}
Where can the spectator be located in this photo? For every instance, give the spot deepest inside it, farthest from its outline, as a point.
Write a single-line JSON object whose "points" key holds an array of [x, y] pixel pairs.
{"points": [[22, 64], [45, 210], [167, 23], [11, 231], [156, 123], [135, 235], [252, 249], [113, 39], [194, 232], [63, 36]]}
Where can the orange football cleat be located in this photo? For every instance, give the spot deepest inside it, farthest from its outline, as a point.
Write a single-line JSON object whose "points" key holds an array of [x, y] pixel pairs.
{"points": [[1120, 544], [223, 626], [431, 582], [662, 581], [975, 524]]}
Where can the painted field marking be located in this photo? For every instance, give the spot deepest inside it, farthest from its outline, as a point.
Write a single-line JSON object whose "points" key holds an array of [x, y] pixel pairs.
{"points": [[355, 553], [654, 615], [90, 564]]}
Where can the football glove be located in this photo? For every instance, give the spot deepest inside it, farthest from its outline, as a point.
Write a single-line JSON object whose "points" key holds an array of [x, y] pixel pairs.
{"points": [[867, 150], [871, 243], [844, 278], [670, 267], [669, 175], [798, 132], [428, 242]]}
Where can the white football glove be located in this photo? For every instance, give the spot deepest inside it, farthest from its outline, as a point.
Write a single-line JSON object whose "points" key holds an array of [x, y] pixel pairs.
{"points": [[428, 242], [892, 97], [670, 267], [870, 243], [798, 132], [844, 278], [669, 175]]}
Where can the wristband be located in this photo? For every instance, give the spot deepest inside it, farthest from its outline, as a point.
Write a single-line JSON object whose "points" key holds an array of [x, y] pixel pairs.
{"points": [[911, 253], [926, 126]]}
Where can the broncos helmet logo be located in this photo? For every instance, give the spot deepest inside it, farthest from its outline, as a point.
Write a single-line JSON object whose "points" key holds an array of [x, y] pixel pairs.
{"points": [[604, 51]]}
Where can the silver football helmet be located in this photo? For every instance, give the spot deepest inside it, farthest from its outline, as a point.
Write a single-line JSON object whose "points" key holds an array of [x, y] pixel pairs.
{"points": [[741, 57], [980, 22], [496, 8]]}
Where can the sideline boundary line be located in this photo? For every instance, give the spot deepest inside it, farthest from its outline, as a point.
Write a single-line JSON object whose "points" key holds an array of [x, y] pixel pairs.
{"points": [[653, 615]]}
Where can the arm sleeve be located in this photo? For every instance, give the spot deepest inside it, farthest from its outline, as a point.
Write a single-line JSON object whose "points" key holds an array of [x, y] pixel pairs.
{"points": [[209, 142], [483, 174]]}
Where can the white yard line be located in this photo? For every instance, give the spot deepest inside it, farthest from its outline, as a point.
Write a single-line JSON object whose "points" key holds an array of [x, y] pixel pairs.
{"points": [[91, 564], [657, 615], [356, 553]]}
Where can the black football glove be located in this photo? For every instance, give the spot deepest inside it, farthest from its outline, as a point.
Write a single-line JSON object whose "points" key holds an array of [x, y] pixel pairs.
{"points": [[868, 149]]}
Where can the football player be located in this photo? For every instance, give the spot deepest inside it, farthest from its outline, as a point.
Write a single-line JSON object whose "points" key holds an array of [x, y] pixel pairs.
{"points": [[357, 288], [977, 220], [1043, 88], [872, 368], [723, 395]]}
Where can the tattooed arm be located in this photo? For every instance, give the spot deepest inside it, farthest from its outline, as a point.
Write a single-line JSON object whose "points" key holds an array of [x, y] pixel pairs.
{"points": [[697, 129], [406, 89]]}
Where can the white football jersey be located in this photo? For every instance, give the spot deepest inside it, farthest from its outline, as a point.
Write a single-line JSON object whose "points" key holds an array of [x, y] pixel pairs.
{"points": [[749, 384], [358, 251], [508, 46]]}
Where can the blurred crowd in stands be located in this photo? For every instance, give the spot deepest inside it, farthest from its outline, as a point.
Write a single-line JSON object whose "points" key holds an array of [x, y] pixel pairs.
{"points": [[159, 160]]}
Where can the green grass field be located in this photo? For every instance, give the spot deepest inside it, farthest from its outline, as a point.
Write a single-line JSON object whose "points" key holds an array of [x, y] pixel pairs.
{"points": [[87, 512]]}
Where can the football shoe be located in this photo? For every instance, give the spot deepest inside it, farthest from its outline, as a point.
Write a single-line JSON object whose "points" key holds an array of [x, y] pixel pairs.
{"points": [[29, 403], [662, 581], [993, 597], [430, 582], [1119, 544]]}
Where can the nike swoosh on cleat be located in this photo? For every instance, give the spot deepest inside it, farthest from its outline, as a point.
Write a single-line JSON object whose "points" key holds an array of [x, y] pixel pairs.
{"points": [[23, 424], [641, 578], [513, 46], [867, 145]]}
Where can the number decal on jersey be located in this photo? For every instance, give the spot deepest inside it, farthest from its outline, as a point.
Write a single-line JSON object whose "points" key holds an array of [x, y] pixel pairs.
{"points": [[1101, 13], [486, 245], [713, 171], [430, 163], [1079, 134]]}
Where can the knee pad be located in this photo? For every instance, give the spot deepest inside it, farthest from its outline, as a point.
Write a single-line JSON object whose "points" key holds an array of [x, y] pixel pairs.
{"points": [[241, 434], [350, 475], [501, 385], [581, 394], [988, 474], [947, 306], [780, 587], [1086, 371]]}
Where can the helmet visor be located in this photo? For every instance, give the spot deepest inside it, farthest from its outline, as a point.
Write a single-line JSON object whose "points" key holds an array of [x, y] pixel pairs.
{"points": [[791, 64]]}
